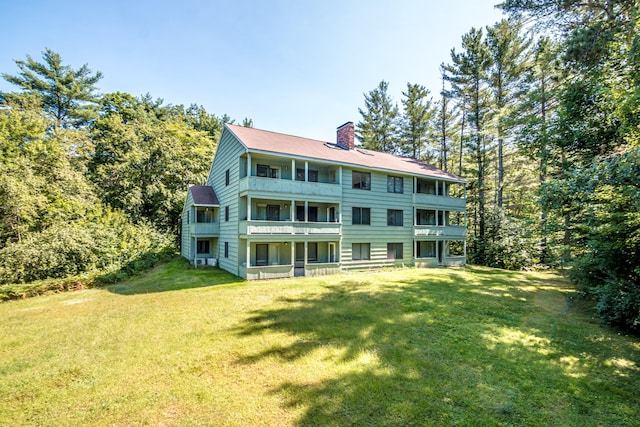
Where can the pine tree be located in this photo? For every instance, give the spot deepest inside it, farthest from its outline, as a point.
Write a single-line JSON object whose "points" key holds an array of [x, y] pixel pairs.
{"points": [[508, 50], [445, 124], [416, 121], [67, 95], [378, 129], [468, 76]]}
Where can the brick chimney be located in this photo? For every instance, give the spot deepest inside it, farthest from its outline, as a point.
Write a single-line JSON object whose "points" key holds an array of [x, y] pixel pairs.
{"points": [[346, 135]]}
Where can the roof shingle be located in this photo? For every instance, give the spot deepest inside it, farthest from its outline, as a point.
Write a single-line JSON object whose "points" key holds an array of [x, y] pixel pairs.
{"points": [[203, 195], [278, 143]]}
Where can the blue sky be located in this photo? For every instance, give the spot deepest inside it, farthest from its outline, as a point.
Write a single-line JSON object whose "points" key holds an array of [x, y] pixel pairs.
{"points": [[298, 67]]}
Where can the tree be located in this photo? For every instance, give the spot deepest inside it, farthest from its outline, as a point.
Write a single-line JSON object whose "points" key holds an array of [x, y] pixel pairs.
{"points": [[445, 124], [145, 157], [378, 129], [468, 76], [67, 95], [507, 49], [415, 123]]}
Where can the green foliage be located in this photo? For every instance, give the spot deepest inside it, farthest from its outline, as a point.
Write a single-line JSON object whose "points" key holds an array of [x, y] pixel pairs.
{"points": [[68, 96], [378, 129], [105, 241], [416, 122], [146, 155]]}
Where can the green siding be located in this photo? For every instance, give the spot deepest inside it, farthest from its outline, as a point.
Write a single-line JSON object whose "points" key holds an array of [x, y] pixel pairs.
{"points": [[186, 248], [227, 157]]}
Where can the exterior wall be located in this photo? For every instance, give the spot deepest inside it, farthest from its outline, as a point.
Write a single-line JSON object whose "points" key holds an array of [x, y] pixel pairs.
{"points": [[227, 157], [246, 190], [186, 249], [378, 234]]}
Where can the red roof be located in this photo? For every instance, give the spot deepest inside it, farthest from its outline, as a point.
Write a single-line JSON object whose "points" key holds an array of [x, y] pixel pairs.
{"points": [[278, 143]]}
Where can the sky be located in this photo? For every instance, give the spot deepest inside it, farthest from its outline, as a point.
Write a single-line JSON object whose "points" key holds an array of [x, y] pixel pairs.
{"points": [[297, 67]]}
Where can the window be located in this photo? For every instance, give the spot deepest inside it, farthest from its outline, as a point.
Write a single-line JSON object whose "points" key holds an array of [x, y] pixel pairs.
{"points": [[426, 217], [226, 177], [426, 249], [313, 214], [203, 246], [360, 251], [274, 172], [273, 212], [226, 213], [204, 215], [312, 251], [441, 218], [394, 217], [361, 216], [263, 170], [394, 251], [188, 217], [395, 184], [299, 212], [226, 249], [262, 254], [361, 180], [299, 174], [426, 186], [313, 176]]}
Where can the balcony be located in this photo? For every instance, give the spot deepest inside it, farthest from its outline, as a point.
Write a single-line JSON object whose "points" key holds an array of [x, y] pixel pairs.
{"points": [[289, 187], [204, 228], [288, 227], [439, 201], [449, 231]]}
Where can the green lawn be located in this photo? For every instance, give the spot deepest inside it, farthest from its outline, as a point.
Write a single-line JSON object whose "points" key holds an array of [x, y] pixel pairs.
{"points": [[178, 346]]}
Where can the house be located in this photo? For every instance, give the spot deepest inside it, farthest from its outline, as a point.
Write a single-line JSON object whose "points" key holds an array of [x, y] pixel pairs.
{"points": [[277, 205]]}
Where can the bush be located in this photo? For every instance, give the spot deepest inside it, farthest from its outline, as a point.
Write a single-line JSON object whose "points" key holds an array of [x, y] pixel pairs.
{"points": [[105, 241]]}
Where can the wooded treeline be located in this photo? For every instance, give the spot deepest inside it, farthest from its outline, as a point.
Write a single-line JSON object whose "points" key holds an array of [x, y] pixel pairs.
{"points": [[89, 182], [540, 113]]}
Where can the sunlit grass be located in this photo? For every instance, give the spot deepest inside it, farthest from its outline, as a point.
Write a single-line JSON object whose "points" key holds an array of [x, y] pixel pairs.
{"points": [[179, 346]]}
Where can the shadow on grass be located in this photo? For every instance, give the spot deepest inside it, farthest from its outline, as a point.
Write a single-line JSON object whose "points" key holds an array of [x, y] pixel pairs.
{"points": [[174, 275], [439, 351]]}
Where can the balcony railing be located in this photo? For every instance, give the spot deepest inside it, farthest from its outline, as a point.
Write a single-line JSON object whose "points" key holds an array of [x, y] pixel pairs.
{"points": [[204, 228], [449, 231], [287, 186], [439, 201], [288, 227]]}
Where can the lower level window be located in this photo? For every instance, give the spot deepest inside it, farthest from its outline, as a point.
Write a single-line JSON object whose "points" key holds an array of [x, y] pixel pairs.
{"points": [[360, 251], [312, 251], [203, 246], [226, 249], [262, 254], [426, 249], [394, 251]]}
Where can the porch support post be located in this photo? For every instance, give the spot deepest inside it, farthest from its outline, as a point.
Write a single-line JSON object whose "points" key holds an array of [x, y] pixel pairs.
{"points": [[293, 169], [306, 170], [248, 208], [293, 253], [292, 210], [306, 211], [248, 253], [248, 164], [306, 252], [339, 175]]}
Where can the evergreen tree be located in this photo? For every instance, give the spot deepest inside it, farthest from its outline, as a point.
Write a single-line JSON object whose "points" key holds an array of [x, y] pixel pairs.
{"points": [[415, 123], [67, 95], [508, 51], [445, 125], [468, 76], [378, 129]]}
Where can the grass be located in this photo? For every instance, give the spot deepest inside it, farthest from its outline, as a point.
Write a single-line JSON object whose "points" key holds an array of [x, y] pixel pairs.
{"points": [[178, 346]]}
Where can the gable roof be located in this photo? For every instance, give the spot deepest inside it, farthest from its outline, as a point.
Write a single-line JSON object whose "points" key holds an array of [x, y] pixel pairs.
{"points": [[203, 195], [278, 143]]}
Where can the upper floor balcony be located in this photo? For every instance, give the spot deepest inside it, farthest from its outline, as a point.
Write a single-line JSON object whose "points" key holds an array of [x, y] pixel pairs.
{"points": [[433, 200], [448, 231], [289, 187], [204, 228], [289, 227]]}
